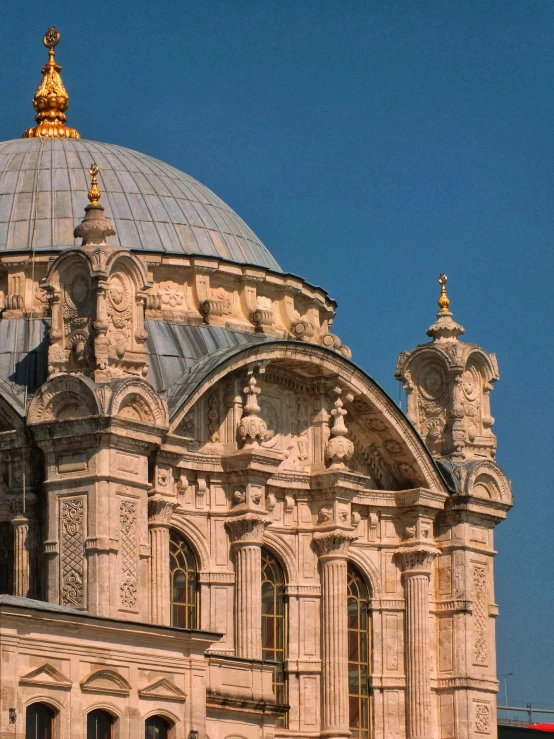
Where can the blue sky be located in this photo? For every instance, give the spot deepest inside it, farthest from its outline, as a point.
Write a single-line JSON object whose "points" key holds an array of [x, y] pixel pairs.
{"points": [[371, 146]]}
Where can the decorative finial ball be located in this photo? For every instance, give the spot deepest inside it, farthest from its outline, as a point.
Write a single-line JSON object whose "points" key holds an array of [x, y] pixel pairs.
{"points": [[443, 279], [51, 37]]}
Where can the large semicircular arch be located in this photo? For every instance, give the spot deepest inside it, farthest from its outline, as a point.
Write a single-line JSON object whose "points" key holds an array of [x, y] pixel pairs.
{"points": [[360, 382]]}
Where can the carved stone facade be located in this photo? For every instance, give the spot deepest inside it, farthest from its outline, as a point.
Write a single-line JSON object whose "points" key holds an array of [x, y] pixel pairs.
{"points": [[197, 415]]}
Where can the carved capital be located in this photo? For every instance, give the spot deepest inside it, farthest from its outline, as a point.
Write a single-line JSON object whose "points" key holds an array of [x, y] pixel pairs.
{"points": [[247, 528], [416, 560], [160, 511], [334, 543]]}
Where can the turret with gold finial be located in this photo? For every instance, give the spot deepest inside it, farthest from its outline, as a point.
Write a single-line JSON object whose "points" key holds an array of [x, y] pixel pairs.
{"points": [[444, 328], [94, 228], [51, 99]]}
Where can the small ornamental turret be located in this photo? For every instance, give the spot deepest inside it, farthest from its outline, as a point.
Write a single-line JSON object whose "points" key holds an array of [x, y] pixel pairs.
{"points": [[447, 385], [338, 449], [94, 228], [51, 99]]}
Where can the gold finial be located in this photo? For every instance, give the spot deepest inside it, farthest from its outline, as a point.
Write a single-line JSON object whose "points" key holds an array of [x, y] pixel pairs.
{"points": [[94, 192], [444, 300], [51, 99]]}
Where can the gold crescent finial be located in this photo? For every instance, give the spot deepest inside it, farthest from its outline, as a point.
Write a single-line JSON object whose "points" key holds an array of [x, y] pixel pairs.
{"points": [[51, 99], [94, 192], [444, 300]]}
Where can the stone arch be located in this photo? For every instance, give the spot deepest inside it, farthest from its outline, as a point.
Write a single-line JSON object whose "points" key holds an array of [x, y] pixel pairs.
{"points": [[284, 554], [414, 468], [123, 260], [367, 569], [106, 680], [164, 713], [54, 703], [489, 477], [197, 542], [138, 395], [110, 708], [64, 397]]}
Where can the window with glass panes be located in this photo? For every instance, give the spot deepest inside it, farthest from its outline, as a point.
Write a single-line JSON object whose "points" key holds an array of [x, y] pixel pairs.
{"points": [[39, 721], [274, 623], [359, 653], [183, 584]]}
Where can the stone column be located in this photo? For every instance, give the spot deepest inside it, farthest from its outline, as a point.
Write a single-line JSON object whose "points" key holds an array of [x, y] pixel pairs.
{"points": [[22, 558], [159, 521], [247, 533], [333, 548], [416, 572]]}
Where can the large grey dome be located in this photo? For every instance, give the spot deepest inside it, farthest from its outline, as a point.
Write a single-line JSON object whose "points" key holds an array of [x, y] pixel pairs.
{"points": [[153, 206]]}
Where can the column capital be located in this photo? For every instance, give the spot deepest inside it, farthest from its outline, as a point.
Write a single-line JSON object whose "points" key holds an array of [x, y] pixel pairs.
{"points": [[160, 511], [334, 543], [416, 559], [247, 528]]}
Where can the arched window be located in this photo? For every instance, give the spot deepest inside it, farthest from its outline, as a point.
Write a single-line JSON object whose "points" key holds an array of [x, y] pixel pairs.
{"points": [[100, 725], [6, 558], [157, 728], [359, 652], [183, 583], [39, 721], [274, 623]]}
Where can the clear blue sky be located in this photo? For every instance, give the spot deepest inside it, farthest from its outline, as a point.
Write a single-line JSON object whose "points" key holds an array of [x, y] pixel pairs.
{"points": [[371, 145]]}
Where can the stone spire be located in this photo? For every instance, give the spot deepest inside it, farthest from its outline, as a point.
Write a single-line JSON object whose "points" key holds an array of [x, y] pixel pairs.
{"points": [[51, 99], [94, 228], [447, 385]]}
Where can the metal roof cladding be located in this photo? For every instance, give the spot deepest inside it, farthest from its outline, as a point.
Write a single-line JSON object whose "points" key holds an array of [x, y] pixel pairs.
{"points": [[153, 206]]}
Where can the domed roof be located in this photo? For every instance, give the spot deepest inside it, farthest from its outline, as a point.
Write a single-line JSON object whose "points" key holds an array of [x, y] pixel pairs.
{"points": [[153, 206]]}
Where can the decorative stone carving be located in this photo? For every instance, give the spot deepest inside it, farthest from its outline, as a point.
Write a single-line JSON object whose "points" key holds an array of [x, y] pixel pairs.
{"points": [[213, 416], [73, 539], [334, 543], [339, 449], [252, 429], [247, 528], [447, 384], [160, 511], [128, 553], [482, 718], [481, 613]]}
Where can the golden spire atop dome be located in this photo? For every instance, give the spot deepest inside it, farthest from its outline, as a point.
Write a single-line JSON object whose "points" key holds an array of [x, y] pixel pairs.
{"points": [[51, 99], [94, 193], [444, 300]]}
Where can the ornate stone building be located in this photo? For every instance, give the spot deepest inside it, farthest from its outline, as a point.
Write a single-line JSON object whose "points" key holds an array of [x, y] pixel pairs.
{"points": [[213, 523]]}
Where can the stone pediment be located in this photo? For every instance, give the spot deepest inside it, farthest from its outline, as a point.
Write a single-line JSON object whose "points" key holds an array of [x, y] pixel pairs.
{"points": [[163, 690], [46, 676], [106, 681]]}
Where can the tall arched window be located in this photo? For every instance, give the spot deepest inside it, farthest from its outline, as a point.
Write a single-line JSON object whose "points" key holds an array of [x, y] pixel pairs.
{"points": [[274, 623], [100, 725], [157, 727], [183, 583], [39, 721], [6, 558], [359, 652]]}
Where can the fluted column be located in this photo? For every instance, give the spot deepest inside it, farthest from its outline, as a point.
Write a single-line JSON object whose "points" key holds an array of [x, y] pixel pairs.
{"points": [[247, 533], [159, 521], [22, 559], [333, 551], [416, 572]]}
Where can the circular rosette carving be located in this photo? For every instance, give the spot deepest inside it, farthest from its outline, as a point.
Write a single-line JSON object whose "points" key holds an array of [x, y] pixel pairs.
{"points": [[470, 383], [118, 295], [433, 381]]}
